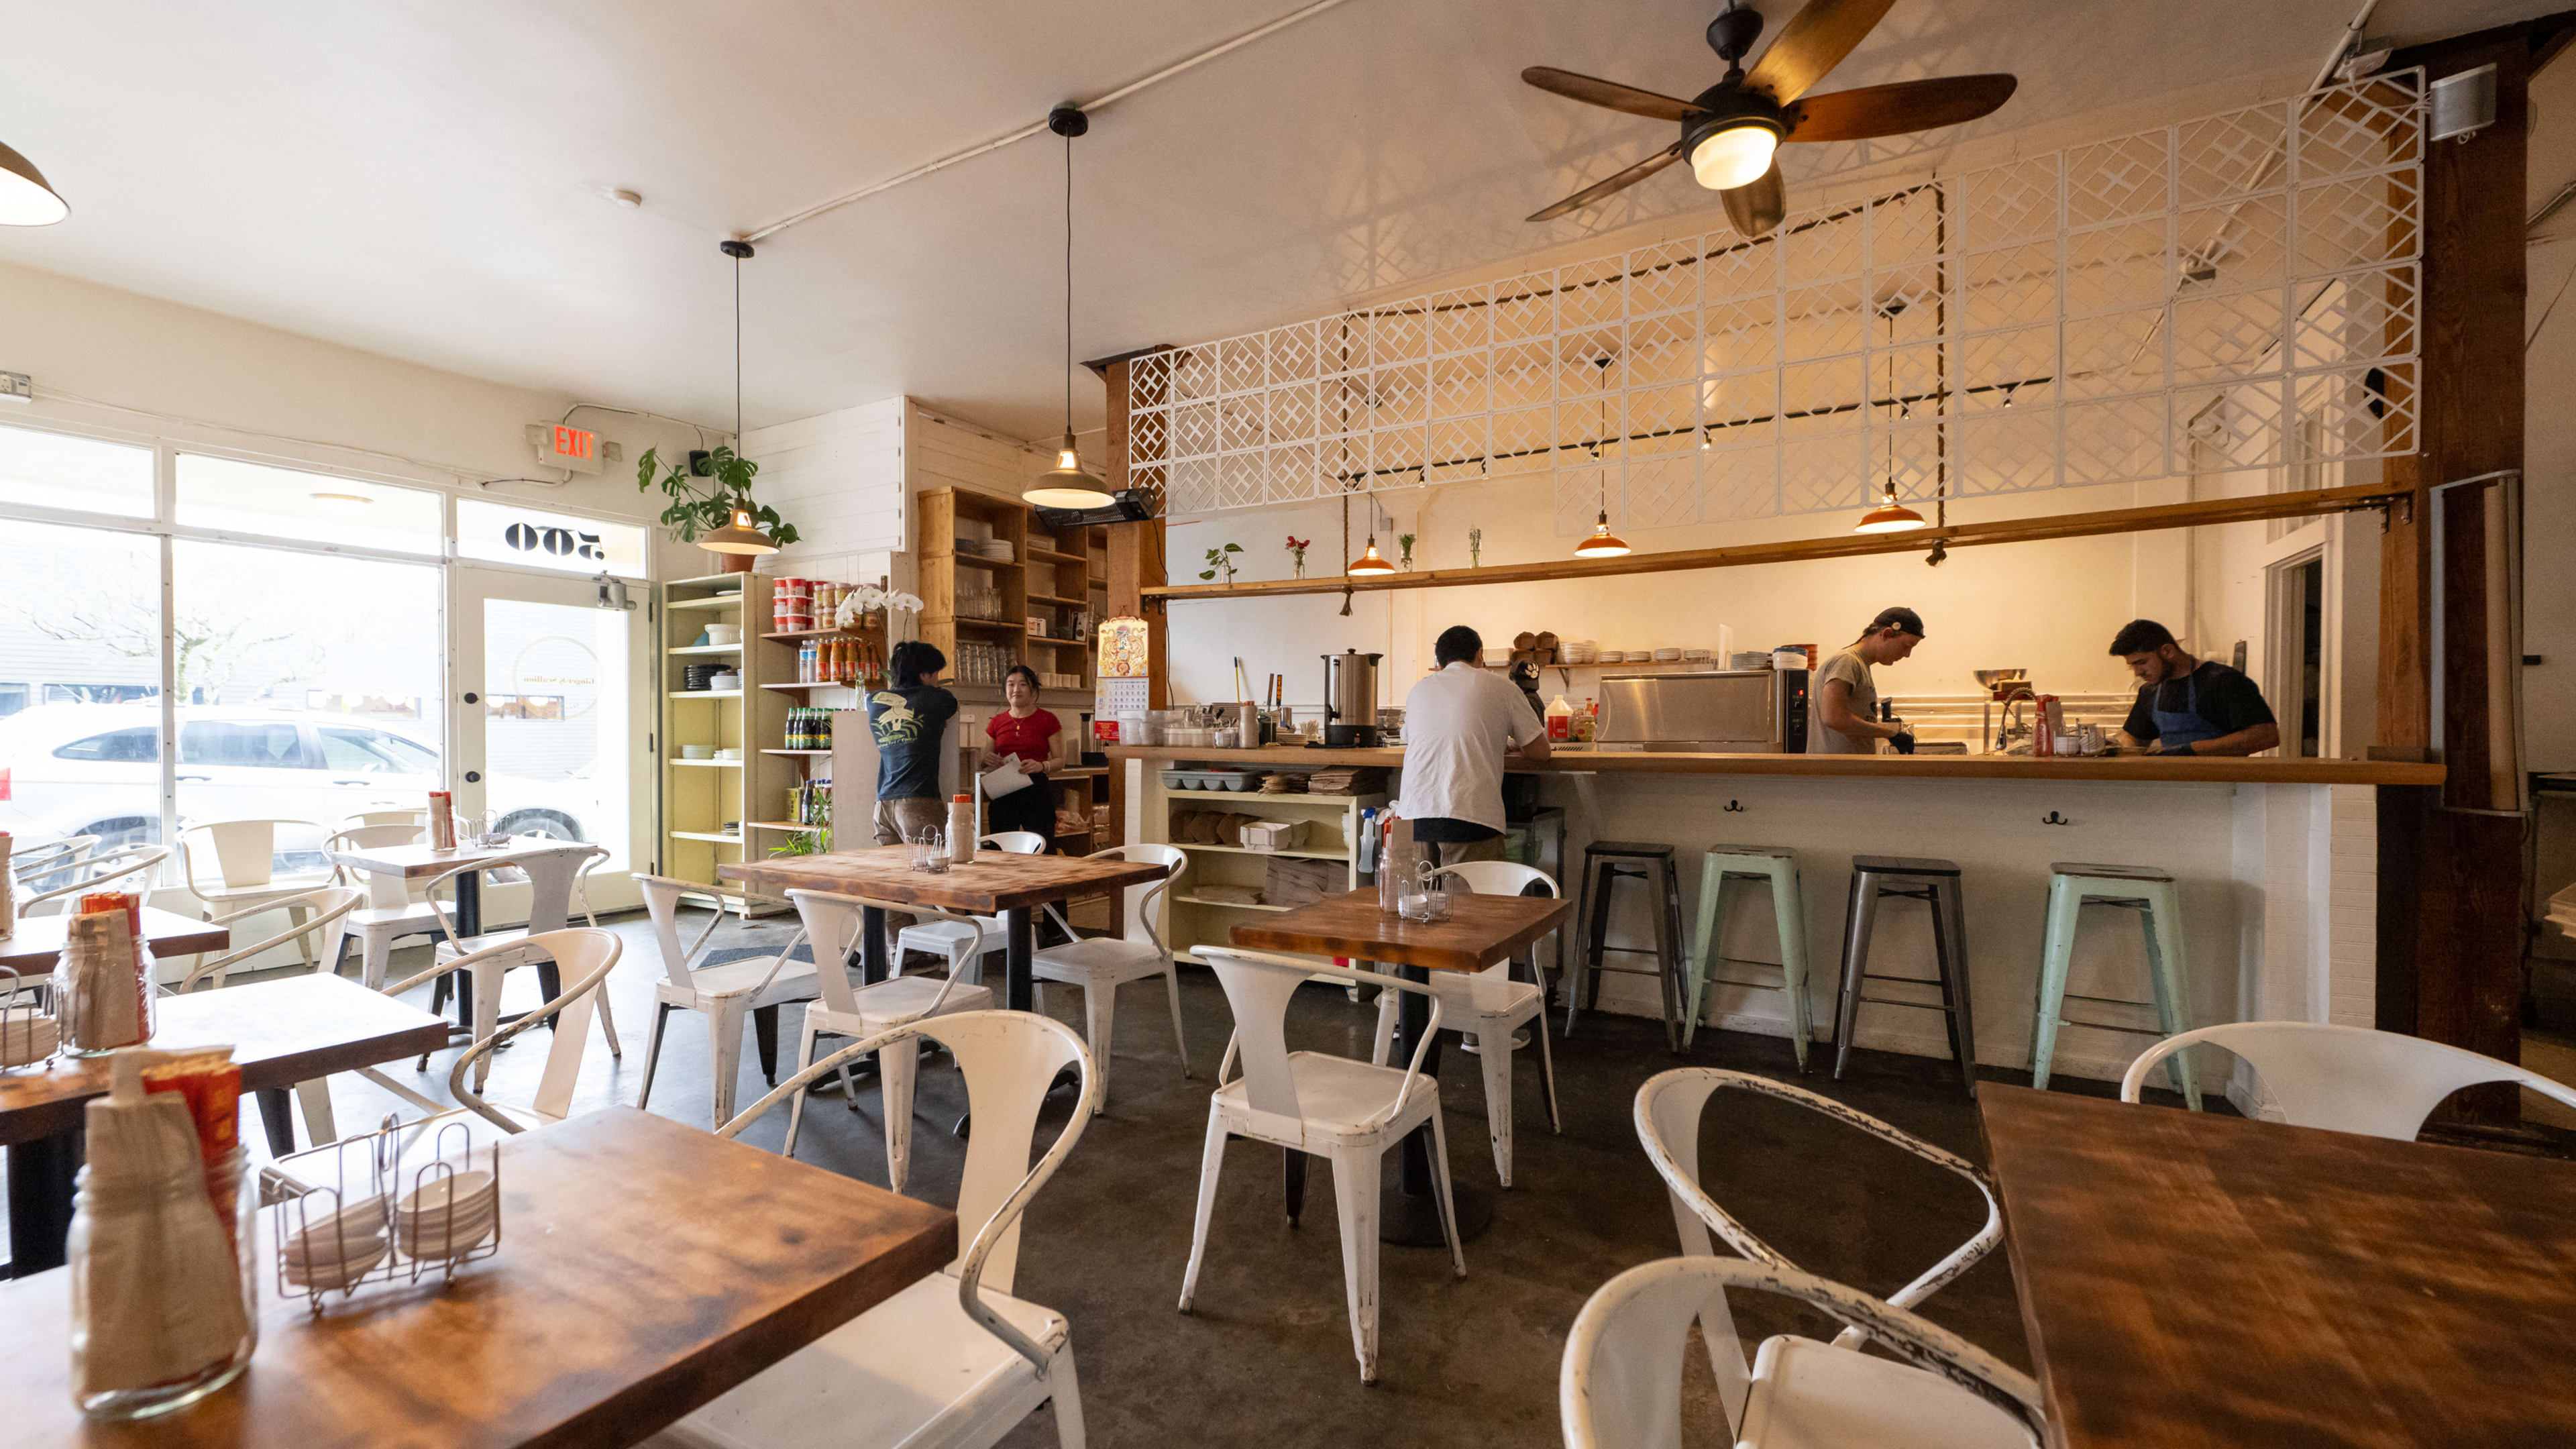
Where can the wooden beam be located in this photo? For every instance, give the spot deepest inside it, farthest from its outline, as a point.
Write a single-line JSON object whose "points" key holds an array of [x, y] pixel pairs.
{"points": [[2199, 514]]}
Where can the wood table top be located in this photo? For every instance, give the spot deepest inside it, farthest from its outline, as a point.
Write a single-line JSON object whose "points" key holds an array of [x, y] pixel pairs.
{"points": [[2091, 769], [996, 881], [37, 941], [645, 1268], [412, 862], [281, 1032], [2189, 1280], [1480, 931]]}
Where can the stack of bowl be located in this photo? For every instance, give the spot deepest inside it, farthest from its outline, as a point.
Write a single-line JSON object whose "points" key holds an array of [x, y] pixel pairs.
{"points": [[448, 1215]]}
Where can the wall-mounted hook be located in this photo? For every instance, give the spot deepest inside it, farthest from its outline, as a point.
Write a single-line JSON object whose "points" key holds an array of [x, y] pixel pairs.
{"points": [[2053, 818], [1734, 807]]}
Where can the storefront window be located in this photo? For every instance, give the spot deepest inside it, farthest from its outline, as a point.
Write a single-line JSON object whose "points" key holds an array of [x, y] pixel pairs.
{"points": [[80, 641], [237, 497], [510, 534], [55, 470]]}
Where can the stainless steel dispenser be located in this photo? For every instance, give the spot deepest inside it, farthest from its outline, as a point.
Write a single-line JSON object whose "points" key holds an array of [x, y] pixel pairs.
{"points": [[1350, 700]]}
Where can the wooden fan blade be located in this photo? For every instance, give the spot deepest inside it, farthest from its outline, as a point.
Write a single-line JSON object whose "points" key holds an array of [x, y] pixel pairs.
{"points": [[1893, 110], [1595, 92], [1757, 206], [1620, 182], [1813, 42]]}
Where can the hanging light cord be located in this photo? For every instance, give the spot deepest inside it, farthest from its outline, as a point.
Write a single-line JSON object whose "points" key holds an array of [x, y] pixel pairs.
{"points": [[737, 352], [1068, 284]]}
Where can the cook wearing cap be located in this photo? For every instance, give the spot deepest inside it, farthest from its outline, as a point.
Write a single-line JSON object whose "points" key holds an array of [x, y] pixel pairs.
{"points": [[1842, 696]]}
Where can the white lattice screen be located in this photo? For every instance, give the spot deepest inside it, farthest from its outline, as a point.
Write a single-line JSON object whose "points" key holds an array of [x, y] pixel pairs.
{"points": [[2069, 319]]}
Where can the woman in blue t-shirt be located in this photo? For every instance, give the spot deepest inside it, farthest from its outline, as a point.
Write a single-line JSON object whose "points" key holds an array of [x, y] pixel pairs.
{"points": [[909, 721]]}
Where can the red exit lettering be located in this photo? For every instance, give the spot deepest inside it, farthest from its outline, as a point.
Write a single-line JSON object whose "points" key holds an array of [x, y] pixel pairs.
{"points": [[573, 442]]}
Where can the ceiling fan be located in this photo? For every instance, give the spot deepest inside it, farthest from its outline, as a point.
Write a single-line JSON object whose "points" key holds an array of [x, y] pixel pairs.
{"points": [[1731, 130]]}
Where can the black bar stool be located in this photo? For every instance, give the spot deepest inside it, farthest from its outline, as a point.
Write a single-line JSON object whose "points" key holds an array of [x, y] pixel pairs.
{"points": [[1606, 862], [1936, 884]]}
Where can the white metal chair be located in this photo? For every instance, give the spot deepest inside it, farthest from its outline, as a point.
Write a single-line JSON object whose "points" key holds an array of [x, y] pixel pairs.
{"points": [[952, 1362], [323, 913], [124, 863], [52, 858], [950, 938], [1102, 964], [390, 912], [1350, 1112], [586, 955], [2347, 1078], [552, 875], [242, 855], [1490, 1006], [1805, 1388], [727, 993], [832, 925], [1621, 1384], [416, 818]]}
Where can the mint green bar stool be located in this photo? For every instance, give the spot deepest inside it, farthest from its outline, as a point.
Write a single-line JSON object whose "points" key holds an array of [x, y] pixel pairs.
{"points": [[2074, 885], [1777, 865]]}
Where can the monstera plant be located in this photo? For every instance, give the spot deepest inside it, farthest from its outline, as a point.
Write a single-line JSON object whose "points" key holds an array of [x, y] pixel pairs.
{"points": [[701, 503]]}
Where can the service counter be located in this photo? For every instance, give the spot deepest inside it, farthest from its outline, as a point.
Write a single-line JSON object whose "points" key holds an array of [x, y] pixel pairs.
{"points": [[2276, 861]]}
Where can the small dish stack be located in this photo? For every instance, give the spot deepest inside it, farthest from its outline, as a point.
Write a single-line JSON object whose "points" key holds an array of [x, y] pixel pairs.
{"points": [[448, 1216], [336, 1250]]}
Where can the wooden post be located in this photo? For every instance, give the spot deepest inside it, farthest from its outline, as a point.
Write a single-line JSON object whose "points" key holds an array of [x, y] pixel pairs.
{"points": [[2450, 878]]}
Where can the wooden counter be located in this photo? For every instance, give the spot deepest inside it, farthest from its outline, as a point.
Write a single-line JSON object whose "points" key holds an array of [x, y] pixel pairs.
{"points": [[2213, 770]]}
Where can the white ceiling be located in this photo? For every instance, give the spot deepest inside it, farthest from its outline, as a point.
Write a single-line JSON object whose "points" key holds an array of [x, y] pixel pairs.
{"points": [[427, 180]]}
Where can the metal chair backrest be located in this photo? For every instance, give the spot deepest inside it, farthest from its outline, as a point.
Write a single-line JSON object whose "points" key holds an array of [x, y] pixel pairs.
{"points": [[662, 895], [244, 852], [122, 863], [385, 890], [585, 955], [2347, 1078], [1621, 1383], [1017, 842], [554, 873], [1142, 902], [365, 818], [1498, 877], [330, 905], [52, 857], [1668, 1112], [1258, 987], [1009, 1059], [833, 922]]}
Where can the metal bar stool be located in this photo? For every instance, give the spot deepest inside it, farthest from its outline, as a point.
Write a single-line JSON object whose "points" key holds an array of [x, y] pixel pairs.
{"points": [[1778, 866], [1602, 868], [1936, 884], [2073, 885]]}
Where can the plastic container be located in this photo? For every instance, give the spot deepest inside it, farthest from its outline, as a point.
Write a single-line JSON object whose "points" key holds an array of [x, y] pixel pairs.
{"points": [[1267, 835], [1560, 721], [961, 829]]}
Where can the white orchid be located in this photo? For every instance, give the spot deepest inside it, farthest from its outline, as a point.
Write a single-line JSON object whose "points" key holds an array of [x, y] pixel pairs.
{"points": [[866, 599]]}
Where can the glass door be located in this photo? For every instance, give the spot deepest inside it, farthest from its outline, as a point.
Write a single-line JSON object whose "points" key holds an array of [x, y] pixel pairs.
{"points": [[546, 700]]}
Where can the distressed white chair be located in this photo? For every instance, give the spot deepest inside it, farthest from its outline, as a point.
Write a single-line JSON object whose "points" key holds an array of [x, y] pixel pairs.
{"points": [[321, 913], [418, 818], [1491, 1007], [231, 865], [1805, 1386], [1621, 1383], [52, 858], [390, 912], [951, 938], [832, 925], [1102, 964], [728, 993], [586, 955], [954, 1361], [132, 864], [1350, 1112], [492, 955], [2347, 1078]]}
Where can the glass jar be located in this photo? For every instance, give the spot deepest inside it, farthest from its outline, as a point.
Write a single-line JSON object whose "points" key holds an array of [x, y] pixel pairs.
{"points": [[136, 1314], [100, 1007]]}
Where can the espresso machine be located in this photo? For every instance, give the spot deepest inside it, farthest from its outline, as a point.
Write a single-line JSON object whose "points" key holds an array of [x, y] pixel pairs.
{"points": [[1350, 700]]}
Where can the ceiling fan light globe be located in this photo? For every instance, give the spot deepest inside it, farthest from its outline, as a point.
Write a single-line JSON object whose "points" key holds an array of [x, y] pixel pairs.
{"points": [[25, 197], [1735, 154]]}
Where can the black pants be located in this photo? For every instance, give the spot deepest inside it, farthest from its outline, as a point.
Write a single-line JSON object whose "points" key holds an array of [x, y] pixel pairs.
{"points": [[1030, 809]]}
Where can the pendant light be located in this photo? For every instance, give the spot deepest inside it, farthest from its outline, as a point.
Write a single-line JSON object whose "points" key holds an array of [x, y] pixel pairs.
{"points": [[1370, 560], [1066, 485], [26, 199], [1603, 543], [741, 535], [1891, 516]]}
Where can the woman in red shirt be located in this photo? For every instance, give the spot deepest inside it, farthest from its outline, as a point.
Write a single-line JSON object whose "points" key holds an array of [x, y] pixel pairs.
{"points": [[1036, 738]]}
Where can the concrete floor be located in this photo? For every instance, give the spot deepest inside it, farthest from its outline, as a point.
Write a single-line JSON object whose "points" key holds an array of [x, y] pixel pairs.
{"points": [[1267, 1356]]}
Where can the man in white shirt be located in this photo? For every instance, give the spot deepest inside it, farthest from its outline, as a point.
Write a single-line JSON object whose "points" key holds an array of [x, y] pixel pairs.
{"points": [[1459, 726]]}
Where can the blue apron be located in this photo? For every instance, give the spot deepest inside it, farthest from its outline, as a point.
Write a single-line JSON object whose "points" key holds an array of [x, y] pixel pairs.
{"points": [[2174, 730]]}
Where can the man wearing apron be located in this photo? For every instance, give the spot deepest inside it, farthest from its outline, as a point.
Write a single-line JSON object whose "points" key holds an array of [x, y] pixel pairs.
{"points": [[2189, 706]]}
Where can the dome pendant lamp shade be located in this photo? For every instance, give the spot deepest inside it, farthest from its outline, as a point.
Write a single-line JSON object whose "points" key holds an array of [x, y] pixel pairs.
{"points": [[1889, 516], [1370, 560], [1065, 485], [25, 197], [1603, 543], [741, 536]]}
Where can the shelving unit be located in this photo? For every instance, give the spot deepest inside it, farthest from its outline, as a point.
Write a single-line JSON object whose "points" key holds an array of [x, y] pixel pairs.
{"points": [[1190, 918], [700, 797], [797, 767]]}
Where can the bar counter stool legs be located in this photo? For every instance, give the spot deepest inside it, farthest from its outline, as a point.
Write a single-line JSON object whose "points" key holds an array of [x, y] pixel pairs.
{"points": [[1778, 867], [1936, 884], [1604, 863], [2146, 890]]}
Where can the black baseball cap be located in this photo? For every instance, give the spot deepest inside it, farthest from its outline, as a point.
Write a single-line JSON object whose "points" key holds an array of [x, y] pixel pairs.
{"points": [[1898, 618]]}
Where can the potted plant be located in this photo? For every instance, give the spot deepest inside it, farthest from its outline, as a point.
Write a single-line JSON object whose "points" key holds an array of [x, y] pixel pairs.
{"points": [[701, 503], [1404, 546], [1475, 547], [867, 606], [1297, 553], [1221, 560]]}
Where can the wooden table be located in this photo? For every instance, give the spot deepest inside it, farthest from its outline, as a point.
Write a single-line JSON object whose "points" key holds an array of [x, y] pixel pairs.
{"points": [[420, 862], [996, 883], [37, 941], [645, 1268], [1480, 931], [282, 1032], [2188, 1279]]}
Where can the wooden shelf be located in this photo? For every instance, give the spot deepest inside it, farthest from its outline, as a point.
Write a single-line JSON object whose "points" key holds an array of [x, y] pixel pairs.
{"points": [[1005, 625], [796, 634], [1300, 798], [1048, 553], [786, 825], [717, 837], [704, 649], [712, 601], [1059, 643], [977, 559], [1241, 850], [814, 684], [1037, 598], [796, 752], [708, 764], [679, 695]]}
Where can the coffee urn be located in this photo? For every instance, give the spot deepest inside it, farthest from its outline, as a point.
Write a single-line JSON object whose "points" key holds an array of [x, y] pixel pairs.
{"points": [[1350, 700]]}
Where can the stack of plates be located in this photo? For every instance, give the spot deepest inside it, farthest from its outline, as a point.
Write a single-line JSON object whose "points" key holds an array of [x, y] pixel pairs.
{"points": [[1668, 656], [26, 1038], [999, 550], [1581, 651], [1694, 656], [336, 1249], [447, 1215]]}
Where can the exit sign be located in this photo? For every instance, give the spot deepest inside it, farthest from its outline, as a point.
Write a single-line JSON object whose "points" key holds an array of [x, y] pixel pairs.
{"points": [[577, 449]]}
